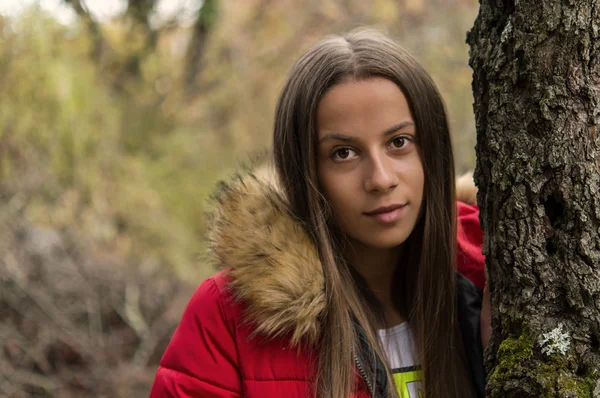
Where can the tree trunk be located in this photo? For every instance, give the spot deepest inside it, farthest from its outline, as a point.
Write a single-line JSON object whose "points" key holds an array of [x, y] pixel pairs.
{"points": [[206, 20], [536, 82]]}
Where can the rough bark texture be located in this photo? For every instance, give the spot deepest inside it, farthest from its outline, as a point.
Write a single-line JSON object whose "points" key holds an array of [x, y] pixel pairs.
{"points": [[536, 84]]}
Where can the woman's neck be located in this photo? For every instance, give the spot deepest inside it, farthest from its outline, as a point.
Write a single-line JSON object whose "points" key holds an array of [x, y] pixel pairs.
{"points": [[377, 267]]}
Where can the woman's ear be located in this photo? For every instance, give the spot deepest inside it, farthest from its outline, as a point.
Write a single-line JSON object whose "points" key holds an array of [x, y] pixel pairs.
{"points": [[466, 191]]}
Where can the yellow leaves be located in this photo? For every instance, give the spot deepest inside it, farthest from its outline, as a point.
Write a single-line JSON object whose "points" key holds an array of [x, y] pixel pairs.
{"points": [[387, 11], [415, 6]]}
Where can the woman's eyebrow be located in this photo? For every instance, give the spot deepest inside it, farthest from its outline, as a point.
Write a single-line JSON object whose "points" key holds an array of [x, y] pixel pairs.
{"points": [[335, 136], [398, 127], [347, 138]]}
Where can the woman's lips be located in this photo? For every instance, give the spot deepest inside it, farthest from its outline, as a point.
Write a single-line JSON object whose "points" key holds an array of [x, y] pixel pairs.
{"points": [[388, 215]]}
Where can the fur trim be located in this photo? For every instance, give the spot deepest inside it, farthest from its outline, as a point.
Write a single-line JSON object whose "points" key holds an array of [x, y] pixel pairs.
{"points": [[275, 266]]}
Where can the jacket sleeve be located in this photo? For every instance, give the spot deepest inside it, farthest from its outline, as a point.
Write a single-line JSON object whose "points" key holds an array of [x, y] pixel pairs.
{"points": [[470, 260], [201, 359]]}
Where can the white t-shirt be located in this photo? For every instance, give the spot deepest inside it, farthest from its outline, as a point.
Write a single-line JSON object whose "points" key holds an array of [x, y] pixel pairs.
{"points": [[398, 344]]}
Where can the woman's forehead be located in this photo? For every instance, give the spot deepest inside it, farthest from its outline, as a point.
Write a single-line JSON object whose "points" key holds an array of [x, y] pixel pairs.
{"points": [[371, 105]]}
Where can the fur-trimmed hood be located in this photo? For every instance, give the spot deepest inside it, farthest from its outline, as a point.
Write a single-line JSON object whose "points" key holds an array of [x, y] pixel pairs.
{"points": [[275, 267]]}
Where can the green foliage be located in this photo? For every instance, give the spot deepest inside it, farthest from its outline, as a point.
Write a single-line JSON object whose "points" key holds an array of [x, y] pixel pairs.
{"points": [[209, 12], [111, 161], [100, 131]]}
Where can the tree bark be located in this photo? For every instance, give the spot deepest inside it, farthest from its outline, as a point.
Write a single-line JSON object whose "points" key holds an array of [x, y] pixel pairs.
{"points": [[207, 17], [98, 42], [536, 83]]}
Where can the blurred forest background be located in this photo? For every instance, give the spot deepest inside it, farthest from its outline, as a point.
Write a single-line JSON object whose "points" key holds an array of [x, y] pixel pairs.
{"points": [[114, 128]]}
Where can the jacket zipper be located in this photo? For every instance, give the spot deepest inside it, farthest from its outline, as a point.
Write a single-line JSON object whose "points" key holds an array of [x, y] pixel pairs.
{"points": [[363, 374]]}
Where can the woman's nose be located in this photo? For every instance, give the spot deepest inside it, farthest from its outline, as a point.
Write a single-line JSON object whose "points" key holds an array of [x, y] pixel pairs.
{"points": [[380, 175]]}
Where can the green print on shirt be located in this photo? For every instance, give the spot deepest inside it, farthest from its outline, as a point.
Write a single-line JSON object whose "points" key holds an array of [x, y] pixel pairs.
{"points": [[409, 382]]}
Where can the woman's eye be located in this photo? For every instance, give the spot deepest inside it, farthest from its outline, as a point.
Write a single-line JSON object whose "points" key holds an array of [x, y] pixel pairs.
{"points": [[399, 142], [343, 154]]}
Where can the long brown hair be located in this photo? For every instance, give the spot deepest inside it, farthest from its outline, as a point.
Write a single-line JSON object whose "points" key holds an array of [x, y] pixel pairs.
{"points": [[424, 286]]}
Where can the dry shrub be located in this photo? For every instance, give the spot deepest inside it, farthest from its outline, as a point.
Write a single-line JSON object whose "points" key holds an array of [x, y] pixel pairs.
{"points": [[75, 323]]}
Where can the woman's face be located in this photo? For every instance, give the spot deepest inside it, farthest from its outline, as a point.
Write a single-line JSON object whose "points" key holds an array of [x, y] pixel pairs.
{"points": [[369, 167]]}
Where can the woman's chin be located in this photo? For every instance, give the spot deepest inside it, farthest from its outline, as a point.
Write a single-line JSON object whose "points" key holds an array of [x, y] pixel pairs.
{"points": [[384, 241]]}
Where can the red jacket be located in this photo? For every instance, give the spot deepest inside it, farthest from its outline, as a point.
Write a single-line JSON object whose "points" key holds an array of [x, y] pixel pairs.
{"points": [[240, 332]]}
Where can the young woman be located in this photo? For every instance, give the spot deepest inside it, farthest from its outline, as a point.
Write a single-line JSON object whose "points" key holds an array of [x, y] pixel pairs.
{"points": [[340, 274]]}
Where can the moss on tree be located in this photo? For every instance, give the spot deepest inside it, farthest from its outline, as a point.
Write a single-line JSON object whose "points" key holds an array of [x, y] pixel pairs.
{"points": [[557, 374]]}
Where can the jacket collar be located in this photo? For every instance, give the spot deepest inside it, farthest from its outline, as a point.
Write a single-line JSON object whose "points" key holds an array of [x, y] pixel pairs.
{"points": [[275, 267]]}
